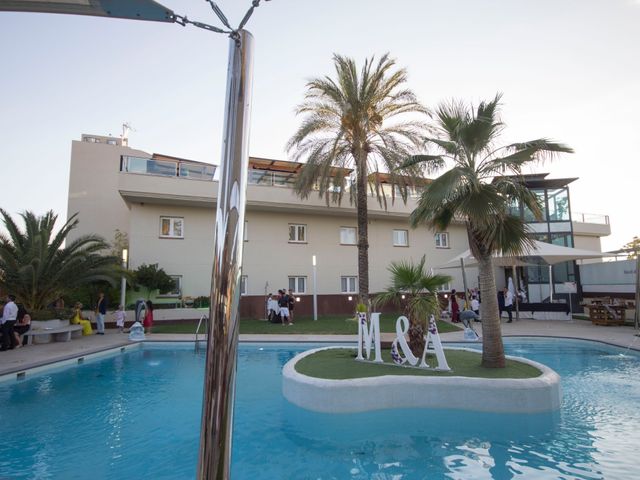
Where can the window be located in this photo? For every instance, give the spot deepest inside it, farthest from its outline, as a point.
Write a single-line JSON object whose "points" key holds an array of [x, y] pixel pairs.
{"points": [[348, 284], [112, 141], [442, 240], [172, 227], [558, 205], [177, 290], [401, 238], [243, 285], [298, 284], [528, 214], [445, 287], [297, 233], [348, 235]]}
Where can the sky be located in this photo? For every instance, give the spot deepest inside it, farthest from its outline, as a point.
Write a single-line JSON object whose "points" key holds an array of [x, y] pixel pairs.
{"points": [[567, 69]]}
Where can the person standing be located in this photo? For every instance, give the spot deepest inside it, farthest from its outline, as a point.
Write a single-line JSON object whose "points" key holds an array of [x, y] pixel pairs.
{"points": [[272, 309], [101, 311], [120, 317], [7, 321], [475, 305], [508, 303], [283, 303], [148, 318], [292, 305], [455, 308]]}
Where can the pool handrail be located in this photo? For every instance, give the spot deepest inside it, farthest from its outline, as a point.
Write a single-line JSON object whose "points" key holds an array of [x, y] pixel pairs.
{"points": [[204, 317]]}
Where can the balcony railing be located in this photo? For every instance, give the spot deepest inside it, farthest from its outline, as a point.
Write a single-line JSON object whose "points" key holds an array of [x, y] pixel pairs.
{"points": [[590, 218], [167, 168], [271, 179]]}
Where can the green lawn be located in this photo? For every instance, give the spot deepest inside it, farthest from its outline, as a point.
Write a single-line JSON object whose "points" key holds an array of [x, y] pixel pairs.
{"points": [[325, 325], [339, 364]]}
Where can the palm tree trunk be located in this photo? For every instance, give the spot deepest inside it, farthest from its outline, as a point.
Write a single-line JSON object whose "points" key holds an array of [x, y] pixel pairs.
{"points": [[492, 347], [363, 228]]}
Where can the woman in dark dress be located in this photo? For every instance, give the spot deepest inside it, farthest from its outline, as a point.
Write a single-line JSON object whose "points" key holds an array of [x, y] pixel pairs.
{"points": [[455, 309], [23, 324]]}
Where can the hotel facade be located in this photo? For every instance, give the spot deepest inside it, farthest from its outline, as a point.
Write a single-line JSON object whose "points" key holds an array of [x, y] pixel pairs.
{"points": [[166, 207]]}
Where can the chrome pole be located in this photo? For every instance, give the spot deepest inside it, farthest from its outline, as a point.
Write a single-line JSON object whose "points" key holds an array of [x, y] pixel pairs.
{"points": [[222, 343], [315, 288]]}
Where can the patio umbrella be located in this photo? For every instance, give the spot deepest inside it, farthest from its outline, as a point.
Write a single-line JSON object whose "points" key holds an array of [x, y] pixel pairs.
{"points": [[540, 253]]}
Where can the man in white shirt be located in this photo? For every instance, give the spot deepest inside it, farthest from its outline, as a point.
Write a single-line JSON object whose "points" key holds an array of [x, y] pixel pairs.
{"points": [[508, 303], [8, 320]]}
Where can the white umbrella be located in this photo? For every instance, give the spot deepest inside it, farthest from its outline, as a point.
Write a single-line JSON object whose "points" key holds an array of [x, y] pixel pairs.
{"points": [[540, 253]]}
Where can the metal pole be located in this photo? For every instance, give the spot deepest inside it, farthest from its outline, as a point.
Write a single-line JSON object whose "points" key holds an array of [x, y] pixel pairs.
{"points": [[636, 318], [123, 291], [222, 343], [550, 283], [464, 282], [514, 272], [123, 281], [315, 289]]}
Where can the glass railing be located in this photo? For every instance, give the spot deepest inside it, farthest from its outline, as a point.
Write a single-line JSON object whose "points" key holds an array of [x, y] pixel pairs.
{"points": [[271, 179], [590, 218], [167, 168]]}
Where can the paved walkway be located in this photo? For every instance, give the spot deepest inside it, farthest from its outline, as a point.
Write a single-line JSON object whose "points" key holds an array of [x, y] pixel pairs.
{"points": [[36, 355]]}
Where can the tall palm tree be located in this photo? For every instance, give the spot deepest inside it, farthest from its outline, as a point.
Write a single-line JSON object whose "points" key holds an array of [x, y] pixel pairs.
{"points": [[38, 269], [483, 181], [350, 121], [413, 290]]}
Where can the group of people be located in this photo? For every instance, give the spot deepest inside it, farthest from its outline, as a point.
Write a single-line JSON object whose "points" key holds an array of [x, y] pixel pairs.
{"points": [[280, 308], [15, 321], [79, 318], [506, 301], [473, 306]]}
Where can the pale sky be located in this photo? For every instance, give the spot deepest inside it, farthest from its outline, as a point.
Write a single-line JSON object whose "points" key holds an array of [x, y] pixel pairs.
{"points": [[568, 69]]}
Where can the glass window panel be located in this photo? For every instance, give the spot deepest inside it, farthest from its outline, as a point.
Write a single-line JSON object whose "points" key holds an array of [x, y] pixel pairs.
{"points": [[292, 283], [348, 235], [343, 284], [292, 233], [442, 240], [302, 230], [166, 226], [177, 228], [352, 284], [528, 214], [559, 205], [302, 285], [401, 238]]}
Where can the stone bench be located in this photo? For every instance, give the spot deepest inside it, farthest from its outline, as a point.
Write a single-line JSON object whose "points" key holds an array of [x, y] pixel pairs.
{"points": [[51, 331]]}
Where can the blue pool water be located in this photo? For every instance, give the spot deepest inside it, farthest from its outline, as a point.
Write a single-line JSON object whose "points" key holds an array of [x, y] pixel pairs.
{"points": [[137, 415]]}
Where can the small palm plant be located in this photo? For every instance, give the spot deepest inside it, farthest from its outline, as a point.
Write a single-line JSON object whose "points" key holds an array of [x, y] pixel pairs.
{"points": [[38, 269], [414, 291]]}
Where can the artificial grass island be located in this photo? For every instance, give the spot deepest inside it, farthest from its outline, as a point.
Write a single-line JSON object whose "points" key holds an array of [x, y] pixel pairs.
{"points": [[331, 380]]}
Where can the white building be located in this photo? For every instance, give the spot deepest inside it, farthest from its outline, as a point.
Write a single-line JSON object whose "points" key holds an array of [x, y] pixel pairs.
{"points": [[166, 207]]}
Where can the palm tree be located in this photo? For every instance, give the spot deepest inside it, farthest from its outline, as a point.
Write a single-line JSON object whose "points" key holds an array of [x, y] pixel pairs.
{"points": [[38, 269], [347, 124], [413, 290], [483, 182]]}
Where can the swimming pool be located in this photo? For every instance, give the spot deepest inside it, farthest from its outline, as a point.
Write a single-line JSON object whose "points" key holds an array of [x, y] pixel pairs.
{"points": [[137, 415]]}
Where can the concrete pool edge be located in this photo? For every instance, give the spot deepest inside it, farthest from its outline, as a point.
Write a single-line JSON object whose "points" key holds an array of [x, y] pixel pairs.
{"points": [[509, 395]]}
